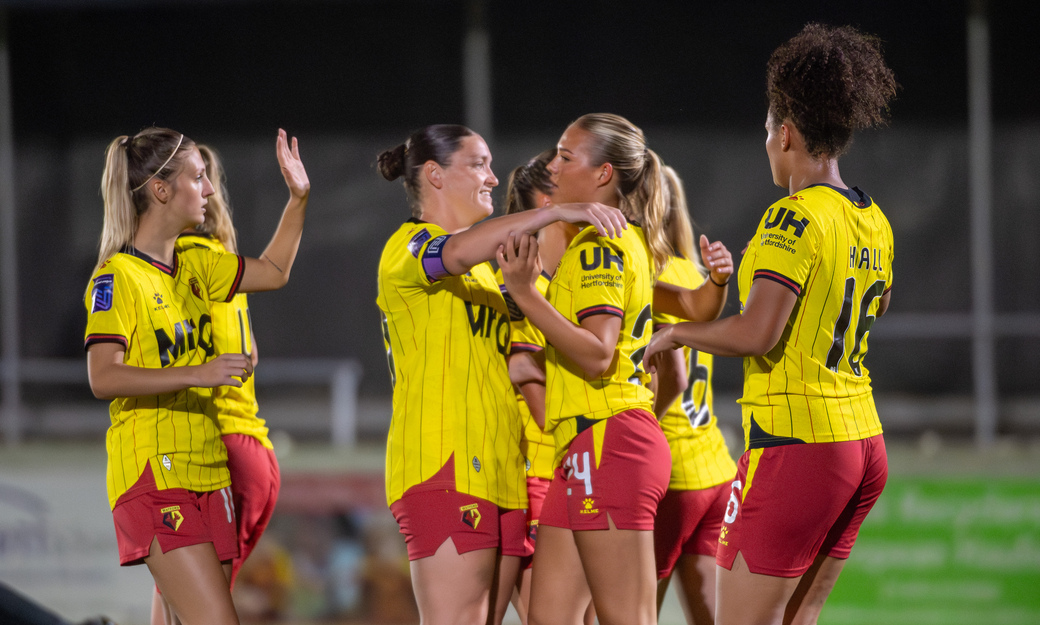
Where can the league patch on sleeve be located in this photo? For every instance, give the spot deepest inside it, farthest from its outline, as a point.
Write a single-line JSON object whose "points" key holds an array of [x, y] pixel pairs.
{"points": [[416, 243], [102, 293]]}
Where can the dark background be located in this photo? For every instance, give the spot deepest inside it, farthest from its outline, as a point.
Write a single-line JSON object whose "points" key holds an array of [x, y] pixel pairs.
{"points": [[352, 78]]}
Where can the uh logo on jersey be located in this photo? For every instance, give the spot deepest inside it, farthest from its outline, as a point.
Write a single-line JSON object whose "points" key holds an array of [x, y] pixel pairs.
{"points": [[187, 336], [788, 221]]}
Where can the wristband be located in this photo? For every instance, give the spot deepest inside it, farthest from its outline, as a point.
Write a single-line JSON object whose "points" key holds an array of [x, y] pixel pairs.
{"points": [[723, 285]]}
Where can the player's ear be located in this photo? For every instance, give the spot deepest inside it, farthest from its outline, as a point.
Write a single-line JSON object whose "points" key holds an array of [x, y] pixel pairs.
{"points": [[160, 190], [434, 174], [606, 174], [787, 135]]}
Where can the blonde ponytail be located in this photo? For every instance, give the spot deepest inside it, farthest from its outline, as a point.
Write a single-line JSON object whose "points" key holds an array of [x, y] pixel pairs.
{"points": [[120, 215], [130, 163], [218, 209], [622, 144], [678, 227]]}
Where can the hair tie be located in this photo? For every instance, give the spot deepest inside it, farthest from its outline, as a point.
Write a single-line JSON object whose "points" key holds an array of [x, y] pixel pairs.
{"points": [[161, 167]]}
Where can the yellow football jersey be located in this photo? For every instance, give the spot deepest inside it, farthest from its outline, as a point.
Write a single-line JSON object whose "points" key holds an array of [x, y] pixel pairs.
{"points": [[447, 338], [700, 458], [600, 276], [536, 446], [232, 333], [160, 315], [833, 248]]}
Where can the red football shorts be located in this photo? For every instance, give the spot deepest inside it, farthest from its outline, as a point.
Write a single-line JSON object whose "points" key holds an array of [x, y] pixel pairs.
{"points": [[513, 528], [624, 481], [255, 481], [790, 502], [176, 517], [688, 523], [427, 518], [537, 488]]}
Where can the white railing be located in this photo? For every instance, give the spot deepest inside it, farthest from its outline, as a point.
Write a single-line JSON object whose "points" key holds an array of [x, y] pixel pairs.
{"points": [[341, 375]]}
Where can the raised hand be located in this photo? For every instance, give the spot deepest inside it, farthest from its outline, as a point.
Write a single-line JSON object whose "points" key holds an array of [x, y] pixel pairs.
{"points": [[717, 259], [292, 167]]}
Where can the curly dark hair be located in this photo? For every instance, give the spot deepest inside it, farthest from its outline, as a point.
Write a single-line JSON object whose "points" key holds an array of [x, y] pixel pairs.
{"points": [[829, 81]]}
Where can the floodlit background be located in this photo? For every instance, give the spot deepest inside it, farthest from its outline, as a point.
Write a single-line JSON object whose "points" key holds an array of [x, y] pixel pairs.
{"points": [[955, 363]]}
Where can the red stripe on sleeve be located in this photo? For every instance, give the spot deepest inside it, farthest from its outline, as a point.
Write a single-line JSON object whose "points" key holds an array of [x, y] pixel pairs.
{"points": [[104, 338], [779, 279], [238, 279], [600, 310]]}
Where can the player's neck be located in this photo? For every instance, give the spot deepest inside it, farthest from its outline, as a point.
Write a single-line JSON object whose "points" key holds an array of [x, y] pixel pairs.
{"points": [[155, 240], [810, 171]]}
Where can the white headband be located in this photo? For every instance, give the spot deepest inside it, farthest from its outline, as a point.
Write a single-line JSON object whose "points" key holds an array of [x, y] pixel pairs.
{"points": [[161, 167]]}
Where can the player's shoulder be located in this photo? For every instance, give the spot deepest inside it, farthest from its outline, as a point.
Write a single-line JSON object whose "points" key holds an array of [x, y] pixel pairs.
{"points": [[411, 237], [123, 263], [199, 240], [681, 271]]}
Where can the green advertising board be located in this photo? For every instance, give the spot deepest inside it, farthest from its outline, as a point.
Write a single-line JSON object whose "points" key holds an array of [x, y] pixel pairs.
{"points": [[963, 550]]}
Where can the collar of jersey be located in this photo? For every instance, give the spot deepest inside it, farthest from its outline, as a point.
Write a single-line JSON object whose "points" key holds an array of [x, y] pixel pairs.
{"points": [[161, 266], [858, 198]]}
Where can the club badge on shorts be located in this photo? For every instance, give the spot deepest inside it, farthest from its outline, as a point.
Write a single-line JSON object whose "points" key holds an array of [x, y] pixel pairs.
{"points": [[172, 517], [471, 515]]}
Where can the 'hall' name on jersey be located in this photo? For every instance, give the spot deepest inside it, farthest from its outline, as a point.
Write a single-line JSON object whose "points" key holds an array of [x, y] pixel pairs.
{"points": [[864, 258]]}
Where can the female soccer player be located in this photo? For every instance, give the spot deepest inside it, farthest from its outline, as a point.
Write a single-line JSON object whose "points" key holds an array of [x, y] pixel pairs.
{"points": [[813, 280], [595, 535], [453, 456], [686, 529], [150, 349], [255, 477], [530, 186]]}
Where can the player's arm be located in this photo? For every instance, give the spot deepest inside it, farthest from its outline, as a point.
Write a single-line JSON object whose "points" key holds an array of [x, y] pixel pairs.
{"points": [[883, 304], [706, 301], [528, 376], [751, 333], [590, 344], [110, 377], [480, 243], [271, 270], [669, 378]]}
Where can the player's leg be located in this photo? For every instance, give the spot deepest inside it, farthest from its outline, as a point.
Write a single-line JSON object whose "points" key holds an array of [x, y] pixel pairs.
{"points": [[162, 613], [662, 591], [522, 594], [805, 605], [506, 574], [255, 482], [453, 588], [744, 597], [696, 588], [193, 582], [621, 572], [704, 509], [559, 592]]}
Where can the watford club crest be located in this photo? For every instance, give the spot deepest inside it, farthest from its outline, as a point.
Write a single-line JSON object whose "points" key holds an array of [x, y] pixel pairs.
{"points": [[196, 290], [172, 517], [471, 515]]}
